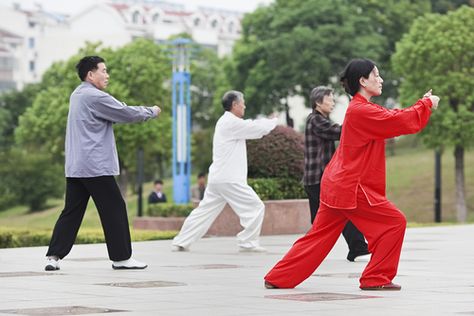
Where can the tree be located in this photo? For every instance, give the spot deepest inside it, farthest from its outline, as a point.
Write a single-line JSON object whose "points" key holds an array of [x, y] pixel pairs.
{"points": [[140, 80], [29, 179], [12, 105], [291, 46], [206, 68], [391, 19], [137, 75], [443, 6], [438, 53]]}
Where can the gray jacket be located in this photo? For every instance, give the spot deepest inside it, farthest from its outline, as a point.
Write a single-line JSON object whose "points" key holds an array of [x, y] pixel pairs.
{"points": [[90, 142]]}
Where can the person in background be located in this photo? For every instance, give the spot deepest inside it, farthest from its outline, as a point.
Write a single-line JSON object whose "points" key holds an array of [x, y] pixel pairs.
{"points": [[227, 182], [320, 134], [157, 195], [197, 190]]}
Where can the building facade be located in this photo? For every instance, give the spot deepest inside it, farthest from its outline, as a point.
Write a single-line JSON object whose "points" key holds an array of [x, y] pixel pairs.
{"points": [[32, 40]]}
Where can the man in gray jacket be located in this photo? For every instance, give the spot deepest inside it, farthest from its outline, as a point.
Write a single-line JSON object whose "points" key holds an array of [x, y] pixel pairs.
{"points": [[92, 163]]}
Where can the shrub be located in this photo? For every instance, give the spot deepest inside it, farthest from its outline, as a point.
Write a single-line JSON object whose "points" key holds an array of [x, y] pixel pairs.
{"points": [[11, 237], [279, 154], [278, 188], [292, 189], [29, 179], [169, 210]]}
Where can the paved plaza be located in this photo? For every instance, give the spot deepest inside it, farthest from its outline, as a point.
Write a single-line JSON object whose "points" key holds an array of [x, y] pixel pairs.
{"points": [[436, 272]]}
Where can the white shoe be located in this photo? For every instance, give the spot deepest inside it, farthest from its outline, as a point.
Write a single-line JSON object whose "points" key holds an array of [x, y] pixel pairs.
{"points": [[51, 264], [128, 264], [252, 249], [176, 248]]}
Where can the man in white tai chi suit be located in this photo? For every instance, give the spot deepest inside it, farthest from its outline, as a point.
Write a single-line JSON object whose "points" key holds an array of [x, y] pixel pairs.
{"points": [[227, 180]]}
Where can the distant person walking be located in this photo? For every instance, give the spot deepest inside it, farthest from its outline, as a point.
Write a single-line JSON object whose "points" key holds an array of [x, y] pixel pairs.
{"points": [[353, 186], [92, 163], [320, 134], [227, 180]]}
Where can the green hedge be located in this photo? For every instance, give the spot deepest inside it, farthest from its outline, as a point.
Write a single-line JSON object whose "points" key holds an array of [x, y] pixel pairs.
{"points": [[169, 210], [11, 238], [278, 188]]}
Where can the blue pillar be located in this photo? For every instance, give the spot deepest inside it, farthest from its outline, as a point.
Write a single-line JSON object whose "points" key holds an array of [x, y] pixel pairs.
{"points": [[181, 101]]}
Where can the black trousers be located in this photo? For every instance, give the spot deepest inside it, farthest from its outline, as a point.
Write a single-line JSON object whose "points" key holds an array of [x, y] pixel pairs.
{"points": [[354, 238], [112, 212]]}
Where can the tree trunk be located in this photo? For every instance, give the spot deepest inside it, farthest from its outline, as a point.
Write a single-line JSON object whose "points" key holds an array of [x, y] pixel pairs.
{"points": [[123, 183], [460, 188]]}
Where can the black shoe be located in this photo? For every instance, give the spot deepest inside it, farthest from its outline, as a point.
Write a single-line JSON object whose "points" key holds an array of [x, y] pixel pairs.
{"points": [[353, 255]]}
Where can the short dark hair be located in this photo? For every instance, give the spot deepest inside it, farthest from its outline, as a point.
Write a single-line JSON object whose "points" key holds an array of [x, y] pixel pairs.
{"points": [[201, 175], [318, 93], [355, 69], [230, 97], [87, 64], [158, 181]]}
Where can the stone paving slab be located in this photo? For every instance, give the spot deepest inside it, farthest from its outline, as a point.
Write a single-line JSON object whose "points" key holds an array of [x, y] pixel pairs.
{"points": [[436, 272]]}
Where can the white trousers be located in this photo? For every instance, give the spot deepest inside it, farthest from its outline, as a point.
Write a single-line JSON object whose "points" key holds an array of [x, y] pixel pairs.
{"points": [[241, 198]]}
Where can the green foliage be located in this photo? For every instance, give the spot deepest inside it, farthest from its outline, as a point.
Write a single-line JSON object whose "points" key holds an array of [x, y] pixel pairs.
{"points": [[29, 179], [11, 238], [292, 46], [438, 53], [266, 189], [443, 6], [140, 80], [279, 154], [278, 188], [206, 71], [201, 151], [12, 105], [169, 210]]}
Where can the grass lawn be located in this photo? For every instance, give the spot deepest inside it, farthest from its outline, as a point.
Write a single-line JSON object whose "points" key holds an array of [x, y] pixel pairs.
{"points": [[410, 185], [19, 217]]}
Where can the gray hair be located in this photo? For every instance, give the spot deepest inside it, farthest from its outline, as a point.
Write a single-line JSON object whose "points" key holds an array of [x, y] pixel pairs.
{"points": [[318, 93], [230, 97]]}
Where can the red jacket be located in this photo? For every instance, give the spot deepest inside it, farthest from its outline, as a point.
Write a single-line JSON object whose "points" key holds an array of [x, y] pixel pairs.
{"points": [[359, 160]]}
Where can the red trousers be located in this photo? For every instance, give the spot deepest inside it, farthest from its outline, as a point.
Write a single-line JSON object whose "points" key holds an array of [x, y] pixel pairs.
{"points": [[382, 225]]}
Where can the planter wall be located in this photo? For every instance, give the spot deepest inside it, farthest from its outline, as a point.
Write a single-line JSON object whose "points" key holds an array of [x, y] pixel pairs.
{"points": [[281, 217]]}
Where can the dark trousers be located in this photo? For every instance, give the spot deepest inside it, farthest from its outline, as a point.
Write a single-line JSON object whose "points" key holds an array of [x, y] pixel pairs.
{"points": [[354, 238], [112, 212]]}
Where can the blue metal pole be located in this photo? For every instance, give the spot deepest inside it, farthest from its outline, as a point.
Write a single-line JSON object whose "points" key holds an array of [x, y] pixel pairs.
{"points": [[181, 123]]}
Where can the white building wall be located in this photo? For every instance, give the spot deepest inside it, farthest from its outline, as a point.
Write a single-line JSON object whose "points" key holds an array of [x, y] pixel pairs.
{"points": [[48, 38]]}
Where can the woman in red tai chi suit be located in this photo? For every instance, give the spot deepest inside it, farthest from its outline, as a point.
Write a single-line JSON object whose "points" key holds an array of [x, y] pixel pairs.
{"points": [[353, 186]]}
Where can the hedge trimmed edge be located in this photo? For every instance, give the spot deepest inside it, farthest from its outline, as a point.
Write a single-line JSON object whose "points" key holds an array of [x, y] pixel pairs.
{"points": [[12, 238]]}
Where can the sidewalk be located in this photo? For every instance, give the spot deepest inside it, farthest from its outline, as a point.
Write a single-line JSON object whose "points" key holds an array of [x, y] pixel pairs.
{"points": [[436, 272]]}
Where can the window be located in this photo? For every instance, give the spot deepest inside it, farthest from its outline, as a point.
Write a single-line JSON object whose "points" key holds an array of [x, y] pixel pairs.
{"points": [[197, 21], [31, 42], [155, 18], [136, 17], [214, 24], [230, 27], [32, 66]]}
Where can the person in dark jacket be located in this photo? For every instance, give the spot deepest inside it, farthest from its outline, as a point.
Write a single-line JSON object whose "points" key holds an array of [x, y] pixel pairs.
{"points": [[157, 196], [320, 134]]}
